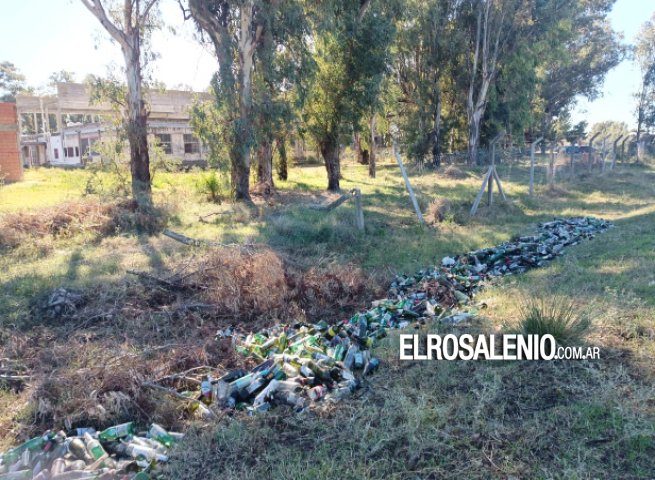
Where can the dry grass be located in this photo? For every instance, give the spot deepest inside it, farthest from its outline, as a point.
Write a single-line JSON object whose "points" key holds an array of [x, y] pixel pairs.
{"points": [[89, 363], [454, 173], [438, 210], [414, 420], [77, 218]]}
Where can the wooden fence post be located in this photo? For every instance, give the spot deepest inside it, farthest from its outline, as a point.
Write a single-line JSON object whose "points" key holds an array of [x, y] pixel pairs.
{"points": [[359, 212], [489, 178], [532, 149], [590, 154], [551, 166], [407, 184], [614, 152]]}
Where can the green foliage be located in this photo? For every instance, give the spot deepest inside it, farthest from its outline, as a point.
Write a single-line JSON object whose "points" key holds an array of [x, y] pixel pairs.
{"points": [[213, 186], [427, 69], [351, 55], [575, 55], [12, 82], [645, 55], [610, 128], [110, 90]]}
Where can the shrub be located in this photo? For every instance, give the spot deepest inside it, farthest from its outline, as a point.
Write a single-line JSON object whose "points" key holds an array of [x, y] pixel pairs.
{"points": [[212, 186], [561, 318]]}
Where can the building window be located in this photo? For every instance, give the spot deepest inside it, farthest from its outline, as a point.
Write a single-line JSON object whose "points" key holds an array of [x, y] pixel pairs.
{"points": [[77, 151], [70, 152], [164, 140], [191, 144], [56, 153]]}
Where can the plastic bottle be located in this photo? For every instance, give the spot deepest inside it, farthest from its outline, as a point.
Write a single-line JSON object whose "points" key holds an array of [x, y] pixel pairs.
{"points": [[20, 475], [206, 390]]}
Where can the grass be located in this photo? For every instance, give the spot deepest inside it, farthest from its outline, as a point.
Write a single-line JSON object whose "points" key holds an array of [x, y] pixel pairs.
{"points": [[568, 420], [562, 319]]}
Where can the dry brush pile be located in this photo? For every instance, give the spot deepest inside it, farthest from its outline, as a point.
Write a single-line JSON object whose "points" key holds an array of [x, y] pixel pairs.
{"points": [[91, 354], [67, 220]]}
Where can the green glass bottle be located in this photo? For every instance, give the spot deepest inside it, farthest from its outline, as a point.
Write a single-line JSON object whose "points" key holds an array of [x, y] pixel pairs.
{"points": [[158, 433], [116, 432]]}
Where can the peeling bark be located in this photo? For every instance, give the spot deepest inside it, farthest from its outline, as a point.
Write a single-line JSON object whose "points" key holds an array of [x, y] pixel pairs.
{"points": [[483, 71], [128, 36]]}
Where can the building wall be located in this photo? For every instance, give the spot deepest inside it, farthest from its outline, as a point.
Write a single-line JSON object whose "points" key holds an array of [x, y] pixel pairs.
{"points": [[11, 169]]}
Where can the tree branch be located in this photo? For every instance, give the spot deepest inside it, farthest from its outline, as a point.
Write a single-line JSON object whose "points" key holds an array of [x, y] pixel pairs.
{"points": [[363, 7], [146, 11], [96, 8]]}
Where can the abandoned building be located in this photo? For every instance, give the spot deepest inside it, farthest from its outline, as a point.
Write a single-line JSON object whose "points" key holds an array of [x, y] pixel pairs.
{"points": [[61, 129], [10, 165]]}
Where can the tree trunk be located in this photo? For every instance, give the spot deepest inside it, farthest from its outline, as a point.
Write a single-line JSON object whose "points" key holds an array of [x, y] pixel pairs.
{"points": [[240, 176], [241, 158], [283, 166], [486, 54], [362, 154], [436, 138], [265, 167], [137, 129], [474, 138], [371, 158], [330, 152]]}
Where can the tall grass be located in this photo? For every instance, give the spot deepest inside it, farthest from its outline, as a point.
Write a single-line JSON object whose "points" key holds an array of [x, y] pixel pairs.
{"points": [[556, 316]]}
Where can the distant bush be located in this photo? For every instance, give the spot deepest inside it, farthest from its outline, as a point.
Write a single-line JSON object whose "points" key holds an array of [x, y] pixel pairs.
{"points": [[439, 211], [455, 173], [213, 187]]}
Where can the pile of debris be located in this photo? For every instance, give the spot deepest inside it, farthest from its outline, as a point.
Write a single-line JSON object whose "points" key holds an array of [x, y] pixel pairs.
{"points": [[458, 278], [304, 363], [300, 364], [115, 453]]}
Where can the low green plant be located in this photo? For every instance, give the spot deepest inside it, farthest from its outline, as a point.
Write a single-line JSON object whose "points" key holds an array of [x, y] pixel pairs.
{"points": [[559, 317], [211, 186]]}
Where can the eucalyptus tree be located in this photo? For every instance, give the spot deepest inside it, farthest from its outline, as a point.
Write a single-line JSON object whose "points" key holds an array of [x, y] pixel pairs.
{"points": [[130, 24], [427, 55], [234, 32], [575, 55], [12, 82], [645, 56], [281, 72], [351, 49]]}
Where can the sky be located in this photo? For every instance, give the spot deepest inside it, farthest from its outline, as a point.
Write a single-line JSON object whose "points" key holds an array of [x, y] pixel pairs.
{"points": [[44, 36], [617, 101]]}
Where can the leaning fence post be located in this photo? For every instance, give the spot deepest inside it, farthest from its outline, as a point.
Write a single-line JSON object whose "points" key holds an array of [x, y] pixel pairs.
{"points": [[603, 154], [489, 178], [614, 152], [359, 212], [407, 184], [590, 155], [532, 149]]}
